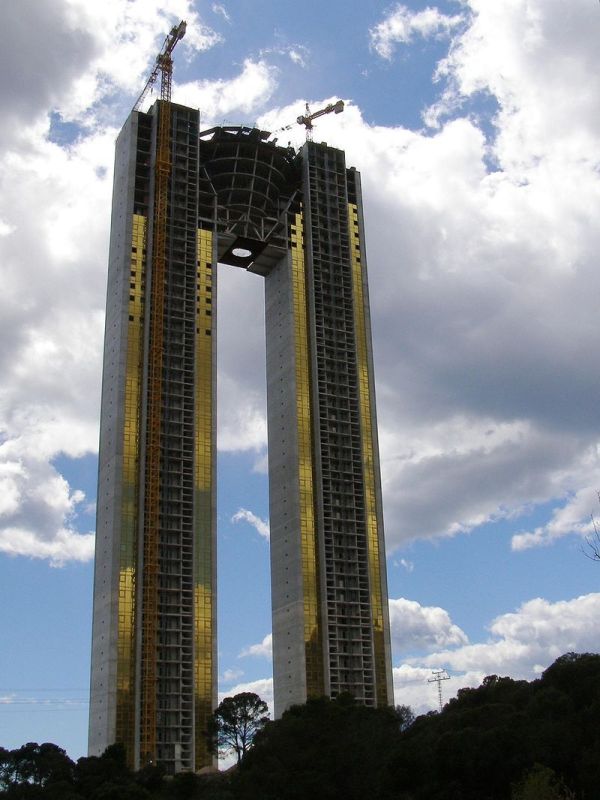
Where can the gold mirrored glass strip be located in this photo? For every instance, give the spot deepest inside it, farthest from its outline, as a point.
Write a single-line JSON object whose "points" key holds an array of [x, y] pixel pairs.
{"points": [[125, 724], [310, 570], [373, 550], [203, 478]]}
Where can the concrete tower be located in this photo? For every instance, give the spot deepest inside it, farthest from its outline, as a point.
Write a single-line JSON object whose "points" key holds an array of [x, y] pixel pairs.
{"points": [[295, 218]]}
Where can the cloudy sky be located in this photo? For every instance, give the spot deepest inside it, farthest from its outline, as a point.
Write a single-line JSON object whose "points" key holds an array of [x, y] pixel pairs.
{"points": [[476, 128]]}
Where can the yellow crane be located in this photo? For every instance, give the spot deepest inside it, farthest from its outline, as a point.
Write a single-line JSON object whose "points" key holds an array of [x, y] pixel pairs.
{"points": [[307, 118], [164, 66]]}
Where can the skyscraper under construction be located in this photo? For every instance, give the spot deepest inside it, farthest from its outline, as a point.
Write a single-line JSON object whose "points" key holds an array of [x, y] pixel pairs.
{"points": [[185, 200]]}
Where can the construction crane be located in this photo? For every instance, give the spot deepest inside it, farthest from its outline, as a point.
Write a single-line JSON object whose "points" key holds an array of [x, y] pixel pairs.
{"points": [[307, 118], [150, 580], [164, 65]]}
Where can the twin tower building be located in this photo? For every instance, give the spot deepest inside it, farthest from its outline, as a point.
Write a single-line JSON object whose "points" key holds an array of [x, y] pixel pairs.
{"points": [[232, 196]]}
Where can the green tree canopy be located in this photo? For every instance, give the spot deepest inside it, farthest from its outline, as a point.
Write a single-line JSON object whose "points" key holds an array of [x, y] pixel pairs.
{"points": [[34, 764], [235, 723], [325, 748]]}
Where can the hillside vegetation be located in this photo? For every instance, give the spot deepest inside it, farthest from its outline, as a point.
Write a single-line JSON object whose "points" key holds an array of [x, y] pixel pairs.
{"points": [[506, 740]]}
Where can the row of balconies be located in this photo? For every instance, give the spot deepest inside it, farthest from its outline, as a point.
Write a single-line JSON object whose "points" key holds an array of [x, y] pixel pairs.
{"points": [[175, 518], [349, 461], [342, 497], [346, 569], [352, 536], [334, 357], [328, 296], [342, 558], [345, 448], [360, 660]]}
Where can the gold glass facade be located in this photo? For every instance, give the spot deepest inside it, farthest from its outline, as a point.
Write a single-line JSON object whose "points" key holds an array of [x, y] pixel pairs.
{"points": [[366, 416], [204, 469], [129, 510], [309, 546]]}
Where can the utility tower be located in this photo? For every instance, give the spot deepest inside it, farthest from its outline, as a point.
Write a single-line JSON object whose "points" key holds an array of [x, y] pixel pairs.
{"points": [[439, 676]]}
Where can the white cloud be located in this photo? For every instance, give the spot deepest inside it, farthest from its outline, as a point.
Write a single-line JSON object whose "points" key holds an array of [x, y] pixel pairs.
{"points": [[537, 62], [260, 525], [521, 645], [415, 627], [263, 687], [65, 545], [401, 25], [263, 649], [241, 383], [242, 423], [50, 338], [518, 374], [246, 93], [128, 37], [38, 507], [261, 465], [10, 492], [217, 8], [231, 675], [298, 54], [574, 517], [104, 48]]}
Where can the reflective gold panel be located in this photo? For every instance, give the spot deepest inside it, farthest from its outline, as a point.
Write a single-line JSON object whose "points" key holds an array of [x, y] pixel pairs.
{"points": [[310, 568], [125, 726], [204, 611], [373, 534]]}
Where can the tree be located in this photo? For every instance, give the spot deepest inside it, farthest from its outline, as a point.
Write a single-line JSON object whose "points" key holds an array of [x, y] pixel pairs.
{"points": [[325, 748], [235, 723], [105, 775], [34, 764], [405, 716], [592, 543], [541, 783]]}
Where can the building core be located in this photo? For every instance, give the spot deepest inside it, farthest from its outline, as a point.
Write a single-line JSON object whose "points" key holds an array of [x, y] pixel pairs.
{"points": [[232, 196]]}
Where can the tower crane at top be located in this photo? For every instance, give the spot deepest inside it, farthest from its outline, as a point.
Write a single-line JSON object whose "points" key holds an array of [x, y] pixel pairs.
{"points": [[164, 65], [307, 118]]}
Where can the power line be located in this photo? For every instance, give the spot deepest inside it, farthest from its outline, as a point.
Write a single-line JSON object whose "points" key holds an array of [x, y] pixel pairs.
{"points": [[15, 701], [45, 689]]}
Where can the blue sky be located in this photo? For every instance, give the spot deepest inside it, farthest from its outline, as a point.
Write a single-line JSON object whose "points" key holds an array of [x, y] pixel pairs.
{"points": [[476, 128]]}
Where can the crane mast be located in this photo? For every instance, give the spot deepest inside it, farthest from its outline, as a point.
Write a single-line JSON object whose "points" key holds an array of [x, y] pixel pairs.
{"points": [[307, 118], [148, 715]]}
